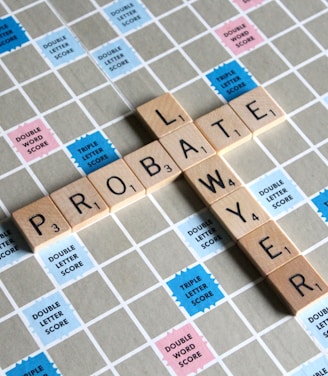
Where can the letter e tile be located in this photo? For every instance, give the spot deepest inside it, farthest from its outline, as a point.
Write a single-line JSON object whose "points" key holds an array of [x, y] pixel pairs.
{"points": [[268, 247], [41, 223], [258, 110], [239, 213], [80, 203], [298, 284], [163, 115]]}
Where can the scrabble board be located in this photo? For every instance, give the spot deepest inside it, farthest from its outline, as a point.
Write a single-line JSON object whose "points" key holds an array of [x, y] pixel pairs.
{"points": [[161, 282]]}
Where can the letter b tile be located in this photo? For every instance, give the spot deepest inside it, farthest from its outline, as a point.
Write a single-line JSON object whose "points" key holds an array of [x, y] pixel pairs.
{"points": [[153, 166], [268, 247]]}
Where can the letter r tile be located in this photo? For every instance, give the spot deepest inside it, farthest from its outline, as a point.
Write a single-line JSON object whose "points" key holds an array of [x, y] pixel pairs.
{"points": [[239, 213], [117, 184], [258, 110], [153, 166], [268, 247], [212, 179], [41, 223], [80, 203], [163, 115], [187, 146], [298, 284]]}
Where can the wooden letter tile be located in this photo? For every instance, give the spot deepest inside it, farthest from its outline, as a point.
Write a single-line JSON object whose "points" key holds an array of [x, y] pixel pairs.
{"points": [[41, 223], [268, 247], [258, 110], [187, 146], [153, 166], [117, 184], [80, 203], [212, 179], [163, 115], [223, 129], [239, 213], [298, 284]]}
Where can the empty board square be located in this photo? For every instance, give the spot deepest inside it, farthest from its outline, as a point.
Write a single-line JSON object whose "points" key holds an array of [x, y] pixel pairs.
{"points": [[223, 128], [239, 213], [41, 223], [117, 184], [163, 115], [268, 247], [80, 203], [153, 166], [258, 110], [187, 146], [298, 284], [212, 179]]}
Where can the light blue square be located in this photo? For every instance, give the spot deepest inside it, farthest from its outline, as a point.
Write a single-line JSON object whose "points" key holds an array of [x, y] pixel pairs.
{"points": [[127, 15], [116, 59], [66, 260], [60, 47], [12, 245], [317, 367], [315, 319], [325, 99], [276, 192], [203, 233], [51, 318]]}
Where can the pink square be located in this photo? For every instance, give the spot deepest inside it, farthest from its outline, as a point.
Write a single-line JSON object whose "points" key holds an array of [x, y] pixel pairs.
{"points": [[33, 140], [185, 350], [239, 35], [247, 4]]}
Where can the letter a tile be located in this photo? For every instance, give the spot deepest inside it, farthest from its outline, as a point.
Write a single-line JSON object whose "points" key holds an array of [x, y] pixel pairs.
{"points": [[153, 166], [223, 129], [239, 213], [117, 184], [187, 146], [212, 179], [258, 110], [80, 203], [41, 223], [163, 115], [268, 247], [298, 284]]}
